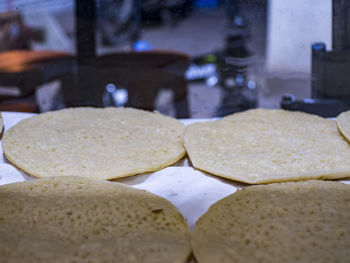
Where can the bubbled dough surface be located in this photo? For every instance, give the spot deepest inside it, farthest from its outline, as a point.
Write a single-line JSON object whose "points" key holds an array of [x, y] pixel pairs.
{"points": [[262, 146], [74, 219], [94, 143], [283, 222]]}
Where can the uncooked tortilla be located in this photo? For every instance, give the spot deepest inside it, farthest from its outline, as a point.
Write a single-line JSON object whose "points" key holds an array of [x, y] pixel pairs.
{"points": [[95, 143], [74, 219], [262, 146], [287, 222]]}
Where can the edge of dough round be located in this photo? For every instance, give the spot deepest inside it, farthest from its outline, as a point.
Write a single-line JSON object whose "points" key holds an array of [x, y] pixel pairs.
{"points": [[343, 122]]}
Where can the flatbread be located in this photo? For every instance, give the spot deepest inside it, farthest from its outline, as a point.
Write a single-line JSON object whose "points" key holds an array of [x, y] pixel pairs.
{"points": [[95, 143], [343, 122], [262, 146], [74, 219], [287, 222]]}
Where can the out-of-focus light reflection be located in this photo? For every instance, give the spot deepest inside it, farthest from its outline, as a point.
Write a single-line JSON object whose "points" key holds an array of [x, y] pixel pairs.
{"points": [[142, 46], [202, 71], [212, 81], [120, 97], [251, 84], [111, 88], [239, 79]]}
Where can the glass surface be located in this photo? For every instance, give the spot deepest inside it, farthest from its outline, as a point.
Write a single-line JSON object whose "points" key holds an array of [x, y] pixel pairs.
{"points": [[219, 57]]}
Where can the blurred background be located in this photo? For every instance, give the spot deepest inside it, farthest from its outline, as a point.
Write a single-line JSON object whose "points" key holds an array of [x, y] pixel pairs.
{"points": [[183, 58]]}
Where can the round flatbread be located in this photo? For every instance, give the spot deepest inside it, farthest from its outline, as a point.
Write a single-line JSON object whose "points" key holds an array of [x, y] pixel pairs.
{"points": [[287, 222], [261, 146], [343, 122], [95, 143], [74, 219]]}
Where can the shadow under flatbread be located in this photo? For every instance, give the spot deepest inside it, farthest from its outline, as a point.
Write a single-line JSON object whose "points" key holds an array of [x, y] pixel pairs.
{"points": [[5, 159], [132, 179], [141, 178], [186, 162], [2, 132], [191, 259], [241, 185], [236, 184], [25, 175], [347, 180], [189, 161], [183, 162]]}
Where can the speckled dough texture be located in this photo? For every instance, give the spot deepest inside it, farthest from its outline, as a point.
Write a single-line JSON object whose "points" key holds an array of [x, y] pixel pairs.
{"points": [[74, 219], [282, 222], [343, 122], [95, 143], [262, 146]]}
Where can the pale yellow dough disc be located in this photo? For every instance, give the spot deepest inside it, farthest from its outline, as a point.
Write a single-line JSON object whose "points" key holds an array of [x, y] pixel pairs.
{"points": [[343, 122], [74, 219], [261, 146], [96, 143], [287, 222]]}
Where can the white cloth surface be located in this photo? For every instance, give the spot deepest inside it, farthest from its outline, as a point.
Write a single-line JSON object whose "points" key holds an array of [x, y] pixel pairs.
{"points": [[190, 190]]}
